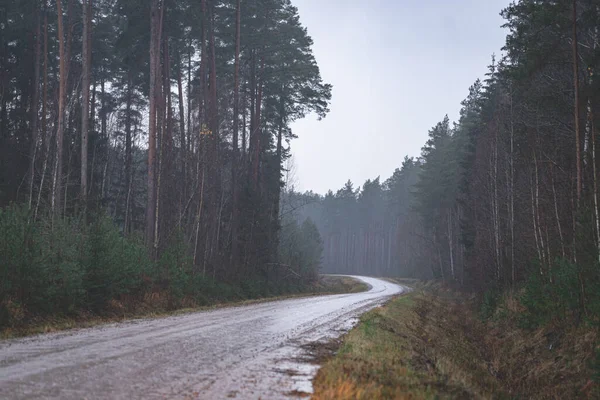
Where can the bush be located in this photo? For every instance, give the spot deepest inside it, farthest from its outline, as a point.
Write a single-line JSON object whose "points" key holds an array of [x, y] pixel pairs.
{"points": [[489, 304], [40, 270], [176, 268], [58, 287], [546, 300], [16, 258], [254, 288], [114, 264], [62, 266]]}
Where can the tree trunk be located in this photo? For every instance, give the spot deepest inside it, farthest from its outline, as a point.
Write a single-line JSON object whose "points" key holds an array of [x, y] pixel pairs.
{"points": [[189, 97], [201, 165], [214, 140], [279, 154], [244, 124], [45, 93], [45, 140], [596, 216], [104, 134], [234, 164], [93, 133], [57, 183], [128, 155], [451, 244], [558, 224], [35, 103], [154, 65], [512, 193], [252, 111], [183, 147], [162, 121], [85, 98], [496, 206], [576, 102], [256, 134]]}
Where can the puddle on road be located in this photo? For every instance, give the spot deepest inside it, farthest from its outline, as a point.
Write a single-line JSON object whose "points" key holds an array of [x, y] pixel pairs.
{"points": [[300, 376], [300, 364]]}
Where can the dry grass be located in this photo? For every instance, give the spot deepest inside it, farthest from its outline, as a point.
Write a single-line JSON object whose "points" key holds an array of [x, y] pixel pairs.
{"points": [[406, 350], [332, 284], [431, 345], [551, 362]]}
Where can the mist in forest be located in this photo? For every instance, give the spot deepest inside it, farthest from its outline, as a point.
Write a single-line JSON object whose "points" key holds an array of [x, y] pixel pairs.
{"points": [[146, 147]]}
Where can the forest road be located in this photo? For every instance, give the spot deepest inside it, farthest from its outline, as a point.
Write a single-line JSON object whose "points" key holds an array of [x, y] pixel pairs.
{"points": [[247, 352]]}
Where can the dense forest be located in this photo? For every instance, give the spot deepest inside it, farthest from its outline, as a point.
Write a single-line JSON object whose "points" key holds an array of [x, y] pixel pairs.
{"points": [[142, 146], [506, 195]]}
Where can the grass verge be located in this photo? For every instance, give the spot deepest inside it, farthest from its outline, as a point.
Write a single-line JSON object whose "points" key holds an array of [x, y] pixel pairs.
{"points": [[431, 344], [153, 306]]}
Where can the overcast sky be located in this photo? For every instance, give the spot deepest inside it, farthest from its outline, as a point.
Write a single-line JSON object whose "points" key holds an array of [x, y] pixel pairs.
{"points": [[397, 67]]}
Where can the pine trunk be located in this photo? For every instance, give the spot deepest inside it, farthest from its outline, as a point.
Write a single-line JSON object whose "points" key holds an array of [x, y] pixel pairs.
{"points": [[57, 179], [35, 103], [576, 102], [154, 65], [85, 98], [235, 159]]}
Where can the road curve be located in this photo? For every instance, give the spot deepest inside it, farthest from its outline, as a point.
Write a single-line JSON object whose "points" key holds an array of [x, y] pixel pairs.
{"points": [[246, 352]]}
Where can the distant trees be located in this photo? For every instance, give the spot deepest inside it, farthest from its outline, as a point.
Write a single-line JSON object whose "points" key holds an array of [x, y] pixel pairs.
{"points": [[373, 230]]}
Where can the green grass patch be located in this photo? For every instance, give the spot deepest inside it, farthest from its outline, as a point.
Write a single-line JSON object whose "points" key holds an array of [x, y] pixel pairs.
{"points": [[405, 351]]}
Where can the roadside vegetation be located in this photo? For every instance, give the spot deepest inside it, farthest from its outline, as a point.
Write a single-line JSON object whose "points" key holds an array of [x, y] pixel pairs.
{"points": [[77, 273], [437, 343]]}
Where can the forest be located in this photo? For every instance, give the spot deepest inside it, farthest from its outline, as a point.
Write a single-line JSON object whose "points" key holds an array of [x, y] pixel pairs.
{"points": [[507, 196], [142, 146]]}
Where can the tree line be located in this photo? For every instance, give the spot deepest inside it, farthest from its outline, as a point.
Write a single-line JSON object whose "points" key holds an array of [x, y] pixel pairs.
{"points": [[171, 118], [508, 194], [372, 229]]}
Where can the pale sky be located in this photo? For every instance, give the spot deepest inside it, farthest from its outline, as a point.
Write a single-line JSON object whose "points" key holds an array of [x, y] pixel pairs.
{"points": [[397, 67]]}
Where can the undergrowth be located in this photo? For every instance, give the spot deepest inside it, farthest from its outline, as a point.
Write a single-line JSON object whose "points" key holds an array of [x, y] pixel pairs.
{"points": [[63, 272], [436, 343]]}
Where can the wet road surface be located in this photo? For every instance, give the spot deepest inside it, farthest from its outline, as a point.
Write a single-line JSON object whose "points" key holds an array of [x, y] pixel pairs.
{"points": [[246, 352]]}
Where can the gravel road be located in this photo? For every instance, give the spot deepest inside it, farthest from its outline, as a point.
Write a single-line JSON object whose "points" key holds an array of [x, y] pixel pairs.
{"points": [[248, 352]]}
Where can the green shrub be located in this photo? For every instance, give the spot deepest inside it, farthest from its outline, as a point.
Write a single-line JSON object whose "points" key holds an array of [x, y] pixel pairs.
{"points": [[595, 364], [40, 269], [254, 288], [17, 237], [175, 267], [489, 304], [58, 287], [114, 264], [58, 266], [546, 299], [224, 292]]}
